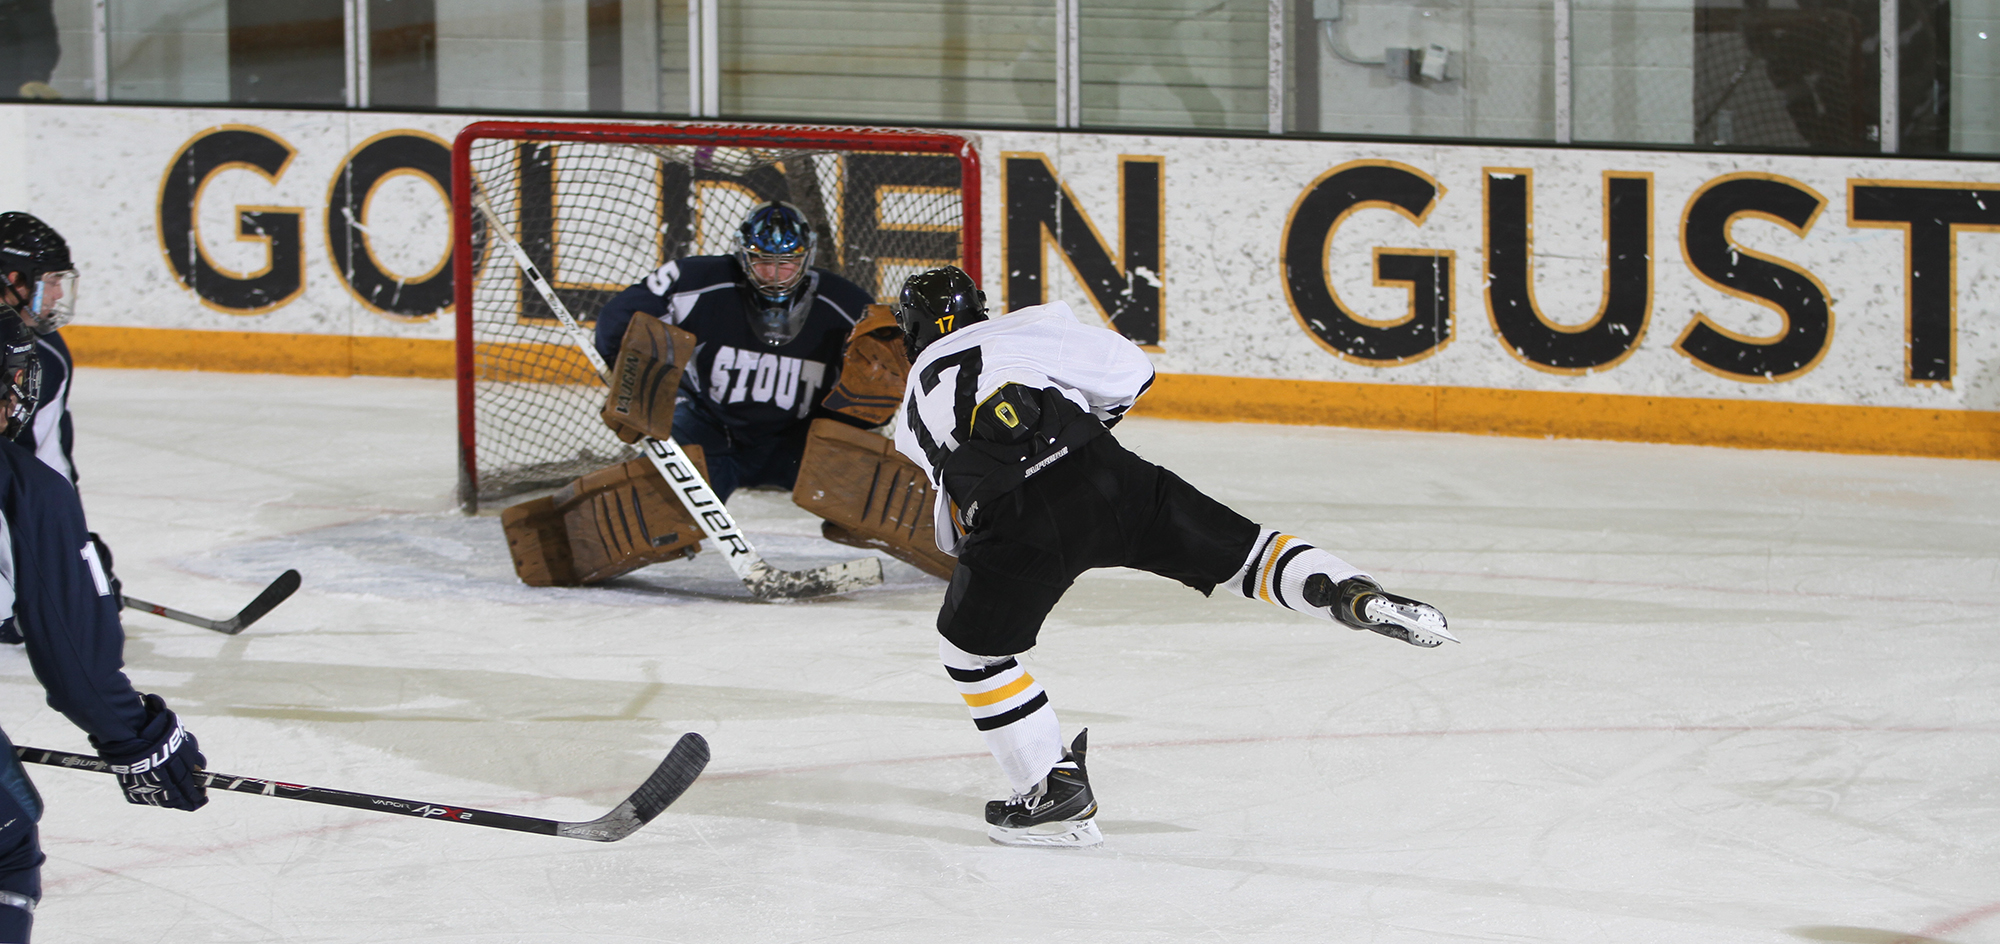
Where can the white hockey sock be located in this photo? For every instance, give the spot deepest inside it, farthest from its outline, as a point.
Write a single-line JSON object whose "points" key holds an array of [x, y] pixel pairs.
{"points": [[1278, 566], [1012, 713]]}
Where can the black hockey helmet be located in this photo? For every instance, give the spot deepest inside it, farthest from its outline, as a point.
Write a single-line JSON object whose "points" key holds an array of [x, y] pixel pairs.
{"points": [[47, 279], [935, 303], [20, 372]]}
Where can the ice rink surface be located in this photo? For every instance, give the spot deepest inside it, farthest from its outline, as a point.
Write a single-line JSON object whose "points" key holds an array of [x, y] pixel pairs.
{"points": [[1705, 695]]}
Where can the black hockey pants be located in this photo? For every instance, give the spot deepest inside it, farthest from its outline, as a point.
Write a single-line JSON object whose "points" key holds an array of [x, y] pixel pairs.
{"points": [[1100, 506]]}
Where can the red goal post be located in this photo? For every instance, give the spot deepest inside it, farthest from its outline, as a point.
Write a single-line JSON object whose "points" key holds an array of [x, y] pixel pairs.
{"points": [[599, 206]]}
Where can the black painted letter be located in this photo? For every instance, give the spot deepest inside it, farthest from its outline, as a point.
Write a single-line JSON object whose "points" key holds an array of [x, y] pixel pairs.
{"points": [[280, 228], [1127, 291], [379, 158], [1343, 190], [1929, 216], [1614, 333], [1790, 291]]}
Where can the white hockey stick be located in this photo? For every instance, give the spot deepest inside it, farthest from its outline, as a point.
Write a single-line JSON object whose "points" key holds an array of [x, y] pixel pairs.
{"points": [[764, 581]]}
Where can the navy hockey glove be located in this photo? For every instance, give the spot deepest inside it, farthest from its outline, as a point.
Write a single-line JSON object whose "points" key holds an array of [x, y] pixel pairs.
{"points": [[161, 770]]}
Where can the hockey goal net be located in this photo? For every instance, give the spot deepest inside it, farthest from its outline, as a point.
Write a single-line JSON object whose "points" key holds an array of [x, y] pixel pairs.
{"points": [[599, 206]]}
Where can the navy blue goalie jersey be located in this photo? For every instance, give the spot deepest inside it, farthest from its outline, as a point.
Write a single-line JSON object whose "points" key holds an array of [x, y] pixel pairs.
{"points": [[754, 390]]}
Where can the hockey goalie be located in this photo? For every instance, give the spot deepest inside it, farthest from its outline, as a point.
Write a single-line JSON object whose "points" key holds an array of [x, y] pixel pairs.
{"points": [[727, 355]]}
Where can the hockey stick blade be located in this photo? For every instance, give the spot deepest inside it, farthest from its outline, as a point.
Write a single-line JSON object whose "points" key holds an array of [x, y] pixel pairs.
{"points": [[680, 768], [770, 583], [279, 590]]}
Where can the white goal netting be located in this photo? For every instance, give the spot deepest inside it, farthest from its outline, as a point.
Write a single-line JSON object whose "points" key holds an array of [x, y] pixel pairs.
{"points": [[597, 207]]}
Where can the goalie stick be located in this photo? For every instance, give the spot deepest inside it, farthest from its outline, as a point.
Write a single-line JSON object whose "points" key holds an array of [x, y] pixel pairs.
{"points": [[273, 595], [680, 768], [764, 581]]}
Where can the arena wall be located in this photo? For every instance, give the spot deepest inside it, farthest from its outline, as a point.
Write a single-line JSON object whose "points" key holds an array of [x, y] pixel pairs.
{"points": [[1747, 300]]}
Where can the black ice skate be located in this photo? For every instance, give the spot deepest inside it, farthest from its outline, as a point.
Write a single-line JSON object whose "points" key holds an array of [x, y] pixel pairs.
{"points": [[1056, 813], [1362, 604]]}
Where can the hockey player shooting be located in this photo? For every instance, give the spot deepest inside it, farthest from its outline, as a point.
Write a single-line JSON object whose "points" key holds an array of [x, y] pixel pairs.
{"points": [[68, 613], [1011, 416]]}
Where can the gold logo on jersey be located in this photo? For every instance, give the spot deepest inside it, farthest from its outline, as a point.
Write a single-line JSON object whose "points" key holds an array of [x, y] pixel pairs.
{"points": [[1004, 412]]}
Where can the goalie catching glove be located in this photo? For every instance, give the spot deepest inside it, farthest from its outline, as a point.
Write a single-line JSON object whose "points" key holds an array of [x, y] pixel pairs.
{"points": [[158, 767]]}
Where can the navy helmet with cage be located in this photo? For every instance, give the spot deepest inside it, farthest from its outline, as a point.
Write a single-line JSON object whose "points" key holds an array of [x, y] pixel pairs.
{"points": [[775, 246], [20, 372], [34, 258], [935, 303]]}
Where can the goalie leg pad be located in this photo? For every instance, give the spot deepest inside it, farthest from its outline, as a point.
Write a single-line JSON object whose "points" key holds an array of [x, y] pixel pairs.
{"points": [[645, 377], [869, 495], [610, 522]]}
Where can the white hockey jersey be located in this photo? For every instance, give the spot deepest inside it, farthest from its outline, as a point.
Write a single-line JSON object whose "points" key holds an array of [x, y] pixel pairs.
{"points": [[1038, 347]]}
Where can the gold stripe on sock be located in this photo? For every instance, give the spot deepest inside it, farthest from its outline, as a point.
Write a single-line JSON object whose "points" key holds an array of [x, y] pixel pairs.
{"points": [[1004, 692], [1270, 561]]}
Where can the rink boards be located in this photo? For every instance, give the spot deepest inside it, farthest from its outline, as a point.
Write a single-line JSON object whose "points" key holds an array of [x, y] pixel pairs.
{"points": [[1752, 300]]}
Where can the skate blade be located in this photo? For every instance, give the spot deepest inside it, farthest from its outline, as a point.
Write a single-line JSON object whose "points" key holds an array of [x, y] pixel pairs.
{"points": [[1074, 834], [1420, 624]]}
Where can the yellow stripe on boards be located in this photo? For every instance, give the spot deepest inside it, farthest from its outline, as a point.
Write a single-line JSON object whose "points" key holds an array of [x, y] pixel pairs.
{"points": [[259, 352], [1745, 424], [1004, 692]]}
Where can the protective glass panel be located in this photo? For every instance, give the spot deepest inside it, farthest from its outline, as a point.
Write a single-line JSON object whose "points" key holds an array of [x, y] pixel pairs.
{"points": [[919, 61], [1634, 70], [1175, 63], [1497, 78], [1975, 76]]}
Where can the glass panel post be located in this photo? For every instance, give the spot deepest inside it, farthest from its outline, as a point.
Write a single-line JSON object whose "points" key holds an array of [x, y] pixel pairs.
{"points": [[100, 50], [1891, 108], [1565, 70]]}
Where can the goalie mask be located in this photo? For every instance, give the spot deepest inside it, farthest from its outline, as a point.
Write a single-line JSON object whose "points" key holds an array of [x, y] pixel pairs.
{"points": [[34, 260], [936, 303], [775, 247], [20, 372]]}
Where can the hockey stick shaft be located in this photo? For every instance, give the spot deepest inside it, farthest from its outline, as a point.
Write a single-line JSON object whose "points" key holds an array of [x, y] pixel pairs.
{"points": [[668, 781], [279, 590], [682, 478]]}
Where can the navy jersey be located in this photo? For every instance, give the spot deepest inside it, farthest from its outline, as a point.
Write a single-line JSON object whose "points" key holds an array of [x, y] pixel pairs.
{"points": [[49, 434], [755, 391], [62, 600]]}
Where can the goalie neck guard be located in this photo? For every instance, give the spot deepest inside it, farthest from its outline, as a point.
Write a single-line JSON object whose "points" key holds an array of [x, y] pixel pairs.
{"points": [[936, 303]]}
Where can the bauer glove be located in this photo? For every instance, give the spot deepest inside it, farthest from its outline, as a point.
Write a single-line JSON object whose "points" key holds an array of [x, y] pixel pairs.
{"points": [[159, 767]]}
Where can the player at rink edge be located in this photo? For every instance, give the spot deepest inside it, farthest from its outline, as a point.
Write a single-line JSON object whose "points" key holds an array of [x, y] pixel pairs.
{"points": [[1011, 415], [56, 587]]}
